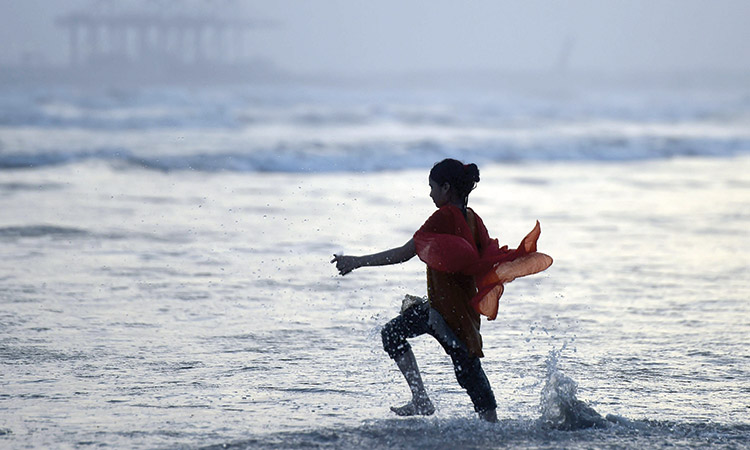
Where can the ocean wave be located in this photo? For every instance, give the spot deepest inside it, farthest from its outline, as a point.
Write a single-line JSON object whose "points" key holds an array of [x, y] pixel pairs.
{"points": [[381, 156], [46, 158], [306, 130], [178, 108]]}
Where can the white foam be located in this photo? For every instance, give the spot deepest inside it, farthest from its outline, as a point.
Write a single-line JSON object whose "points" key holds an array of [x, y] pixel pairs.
{"points": [[303, 130]]}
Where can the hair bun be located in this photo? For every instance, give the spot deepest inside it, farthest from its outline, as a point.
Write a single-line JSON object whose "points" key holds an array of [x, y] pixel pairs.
{"points": [[472, 172]]}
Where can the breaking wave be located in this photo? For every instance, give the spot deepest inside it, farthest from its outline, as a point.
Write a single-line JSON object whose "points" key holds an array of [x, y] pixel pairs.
{"points": [[371, 157], [307, 130]]}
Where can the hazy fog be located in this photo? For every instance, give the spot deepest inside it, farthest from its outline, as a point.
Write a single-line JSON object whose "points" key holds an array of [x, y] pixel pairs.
{"points": [[352, 36]]}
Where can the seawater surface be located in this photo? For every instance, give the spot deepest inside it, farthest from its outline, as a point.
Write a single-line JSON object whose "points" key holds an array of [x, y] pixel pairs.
{"points": [[195, 307]]}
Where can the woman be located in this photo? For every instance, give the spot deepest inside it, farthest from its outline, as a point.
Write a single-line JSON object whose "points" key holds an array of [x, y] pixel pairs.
{"points": [[460, 256]]}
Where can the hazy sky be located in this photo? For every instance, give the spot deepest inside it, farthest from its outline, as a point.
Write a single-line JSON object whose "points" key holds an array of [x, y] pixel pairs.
{"points": [[403, 35]]}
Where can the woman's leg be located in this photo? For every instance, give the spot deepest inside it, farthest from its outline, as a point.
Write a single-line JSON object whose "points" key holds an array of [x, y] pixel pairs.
{"points": [[468, 369], [420, 403], [411, 323], [471, 377]]}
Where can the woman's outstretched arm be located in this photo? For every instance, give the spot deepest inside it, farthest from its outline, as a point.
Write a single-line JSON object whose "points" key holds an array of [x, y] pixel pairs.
{"points": [[346, 264]]}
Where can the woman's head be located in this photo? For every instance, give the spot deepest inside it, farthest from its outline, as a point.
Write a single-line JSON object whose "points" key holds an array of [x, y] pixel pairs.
{"points": [[452, 181]]}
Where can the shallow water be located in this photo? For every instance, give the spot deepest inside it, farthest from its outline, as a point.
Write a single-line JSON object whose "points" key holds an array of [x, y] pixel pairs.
{"points": [[190, 309]]}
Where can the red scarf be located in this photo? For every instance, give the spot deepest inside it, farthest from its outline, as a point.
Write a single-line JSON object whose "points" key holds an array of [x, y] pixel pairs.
{"points": [[446, 243]]}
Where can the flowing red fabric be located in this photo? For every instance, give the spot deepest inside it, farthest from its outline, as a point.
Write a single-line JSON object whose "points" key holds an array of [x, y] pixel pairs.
{"points": [[446, 243]]}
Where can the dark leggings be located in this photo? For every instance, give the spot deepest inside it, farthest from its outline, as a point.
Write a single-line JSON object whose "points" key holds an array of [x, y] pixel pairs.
{"points": [[414, 322]]}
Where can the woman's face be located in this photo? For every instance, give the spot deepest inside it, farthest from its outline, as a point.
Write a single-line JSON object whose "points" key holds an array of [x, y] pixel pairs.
{"points": [[438, 193]]}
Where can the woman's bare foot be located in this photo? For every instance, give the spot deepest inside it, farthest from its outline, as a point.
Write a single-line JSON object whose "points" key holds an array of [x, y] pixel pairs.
{"points": [[422, 407]]}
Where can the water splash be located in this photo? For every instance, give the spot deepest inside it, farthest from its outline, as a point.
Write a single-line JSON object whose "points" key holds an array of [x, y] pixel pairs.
{"points": [[559, 406]]}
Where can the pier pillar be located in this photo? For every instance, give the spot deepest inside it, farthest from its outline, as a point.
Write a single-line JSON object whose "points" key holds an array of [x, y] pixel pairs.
{"points": [[239, 44], [94, 39], [198, 50], [180, 44], [142, 39], [73, 45]]}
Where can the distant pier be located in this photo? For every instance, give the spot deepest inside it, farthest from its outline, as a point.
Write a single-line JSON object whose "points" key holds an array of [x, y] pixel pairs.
{"points": [[143, 37], [108, 46]]}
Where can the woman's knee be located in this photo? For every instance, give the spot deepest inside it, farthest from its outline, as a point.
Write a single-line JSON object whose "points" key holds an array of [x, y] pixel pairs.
{"points": [[393, 343], [385, 335]]}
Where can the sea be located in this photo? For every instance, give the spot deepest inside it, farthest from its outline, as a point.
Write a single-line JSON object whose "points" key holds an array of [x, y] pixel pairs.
{"points": [[165, 279]]}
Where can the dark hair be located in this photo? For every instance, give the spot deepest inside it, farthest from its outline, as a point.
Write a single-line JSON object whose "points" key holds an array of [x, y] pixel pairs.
{"points": [[463, 178]]}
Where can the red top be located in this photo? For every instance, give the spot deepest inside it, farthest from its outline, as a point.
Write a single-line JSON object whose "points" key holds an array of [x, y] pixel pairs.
{"points": [[448, 243]]}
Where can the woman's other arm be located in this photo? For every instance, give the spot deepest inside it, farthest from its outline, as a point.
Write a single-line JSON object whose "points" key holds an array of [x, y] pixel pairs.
{"points": [[346, 264]]}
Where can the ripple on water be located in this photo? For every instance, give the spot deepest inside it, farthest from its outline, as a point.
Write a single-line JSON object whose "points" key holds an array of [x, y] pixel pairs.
{"points": [[36, 231], [32, 355]]}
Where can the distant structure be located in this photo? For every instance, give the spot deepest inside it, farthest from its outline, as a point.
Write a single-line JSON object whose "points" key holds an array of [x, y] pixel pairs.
{"points": [[566, 51], [142, 37], [156, 42]]}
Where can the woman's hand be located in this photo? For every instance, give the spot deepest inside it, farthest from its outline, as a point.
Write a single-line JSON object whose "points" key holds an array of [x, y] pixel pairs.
{"points": [[345, 264]]}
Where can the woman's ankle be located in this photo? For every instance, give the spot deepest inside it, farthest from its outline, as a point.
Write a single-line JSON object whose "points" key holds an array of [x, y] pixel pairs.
{"points": [[421, 407], [489, 415]]}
